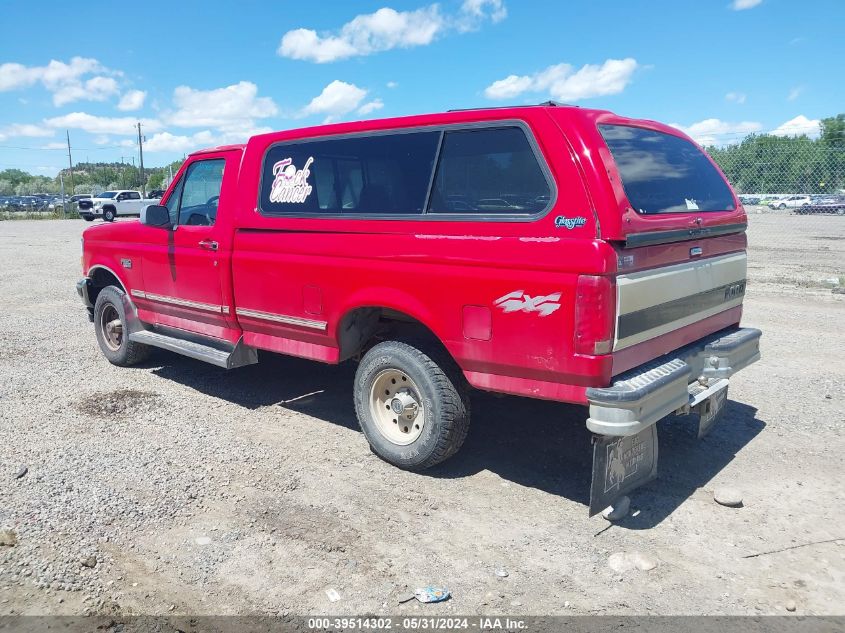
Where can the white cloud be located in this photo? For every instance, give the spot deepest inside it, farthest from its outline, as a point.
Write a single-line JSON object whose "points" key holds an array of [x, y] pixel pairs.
{"points": [[392, 84], [132, 100], [799, 126], [54, 145], [794, 93], [14, 76], [474, 12], [718, 132], [372, 106], [736, 97], [564, 83], [387, 29], [365, 34], [509, 87], [24, 129], [64, 80], [186, 143], [232, 110], [336, 99], [741, 5], [103, 125], [167, 142], [95, 89]]}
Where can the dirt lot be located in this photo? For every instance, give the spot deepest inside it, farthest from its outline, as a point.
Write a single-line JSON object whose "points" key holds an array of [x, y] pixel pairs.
{"points": [[193, 490]]}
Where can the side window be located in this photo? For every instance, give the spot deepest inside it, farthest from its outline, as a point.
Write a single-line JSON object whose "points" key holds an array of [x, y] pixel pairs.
{"points": [[488, 171], [133, 195], [172, 203], [382, 174], [201, 192]]}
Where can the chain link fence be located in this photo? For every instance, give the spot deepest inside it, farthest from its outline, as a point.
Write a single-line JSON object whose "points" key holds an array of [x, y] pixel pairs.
{"points": [[798, 175], [793, 190]]}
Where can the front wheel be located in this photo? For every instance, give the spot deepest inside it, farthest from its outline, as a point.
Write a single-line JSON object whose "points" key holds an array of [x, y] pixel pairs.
{"points": [[411, 404], [112, 332], [109, 215], [782, 206]]}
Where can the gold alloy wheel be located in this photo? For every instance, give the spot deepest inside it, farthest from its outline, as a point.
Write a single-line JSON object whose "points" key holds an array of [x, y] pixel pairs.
{"points": [[396, 407], [112, 327]]}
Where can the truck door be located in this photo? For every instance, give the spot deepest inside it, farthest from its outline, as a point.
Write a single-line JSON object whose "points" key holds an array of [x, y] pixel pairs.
{"points": [[129, 203], [184, 266]]}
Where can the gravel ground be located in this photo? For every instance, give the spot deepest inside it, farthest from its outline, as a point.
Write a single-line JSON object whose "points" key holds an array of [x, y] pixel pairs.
{"points": [[176, 487]]}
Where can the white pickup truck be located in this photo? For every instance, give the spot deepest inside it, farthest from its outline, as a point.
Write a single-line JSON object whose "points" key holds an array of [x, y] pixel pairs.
{"points": [[111, 204]]}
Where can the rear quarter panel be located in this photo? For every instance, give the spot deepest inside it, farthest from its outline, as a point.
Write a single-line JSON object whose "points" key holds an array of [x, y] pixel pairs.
{"points": [[431, 270]]}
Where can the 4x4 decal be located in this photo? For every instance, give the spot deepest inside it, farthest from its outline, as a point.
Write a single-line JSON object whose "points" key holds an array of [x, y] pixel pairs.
{"points": [[518, 301]]}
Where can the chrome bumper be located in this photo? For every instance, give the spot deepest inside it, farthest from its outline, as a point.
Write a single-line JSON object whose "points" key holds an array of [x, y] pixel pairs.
{"points": [[675, 382]]}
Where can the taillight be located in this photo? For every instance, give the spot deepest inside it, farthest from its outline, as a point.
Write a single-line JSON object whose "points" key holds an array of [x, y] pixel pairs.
{"points": [[595, 315]]}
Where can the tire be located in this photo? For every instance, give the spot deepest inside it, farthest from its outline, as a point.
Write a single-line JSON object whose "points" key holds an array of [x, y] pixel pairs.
{"points": [[435, 384], [109, 214], [119, 350], [782, 206], [87, 217]]}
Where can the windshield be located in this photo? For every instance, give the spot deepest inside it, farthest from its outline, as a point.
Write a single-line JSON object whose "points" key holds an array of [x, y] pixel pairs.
{"points": [[106, 194], [663, 173]]}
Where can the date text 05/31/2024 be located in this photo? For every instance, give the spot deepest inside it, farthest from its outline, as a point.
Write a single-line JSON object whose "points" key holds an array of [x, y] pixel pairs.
{"points": [[416, 623]]}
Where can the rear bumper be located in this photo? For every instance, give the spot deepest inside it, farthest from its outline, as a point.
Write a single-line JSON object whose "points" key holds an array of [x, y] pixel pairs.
{"points": [[640, 397]]}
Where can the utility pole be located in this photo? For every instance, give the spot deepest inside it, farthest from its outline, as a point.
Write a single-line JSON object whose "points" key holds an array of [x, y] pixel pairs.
{"points": [[141, 156], [70, 162]]}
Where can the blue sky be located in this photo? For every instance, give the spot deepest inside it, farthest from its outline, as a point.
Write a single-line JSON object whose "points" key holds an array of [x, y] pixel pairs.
{"points": [[199, 74]]}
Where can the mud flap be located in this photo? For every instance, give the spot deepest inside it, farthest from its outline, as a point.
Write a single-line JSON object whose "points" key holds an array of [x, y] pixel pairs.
{"points": [[621, 464]]}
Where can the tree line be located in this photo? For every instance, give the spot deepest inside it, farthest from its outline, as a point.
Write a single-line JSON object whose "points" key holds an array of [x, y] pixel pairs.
{"points": [[764, 163], [87, 178]]}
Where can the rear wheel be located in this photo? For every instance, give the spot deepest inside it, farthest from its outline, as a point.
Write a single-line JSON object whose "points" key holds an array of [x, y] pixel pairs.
{"points": [[412, 404], [111, 330]]}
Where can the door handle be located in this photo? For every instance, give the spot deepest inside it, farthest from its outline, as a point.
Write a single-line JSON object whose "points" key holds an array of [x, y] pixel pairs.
{"points": [[209, 245]]}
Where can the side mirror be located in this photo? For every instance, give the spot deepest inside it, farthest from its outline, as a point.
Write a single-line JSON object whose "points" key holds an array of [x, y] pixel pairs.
{"points": [[156, 215]]}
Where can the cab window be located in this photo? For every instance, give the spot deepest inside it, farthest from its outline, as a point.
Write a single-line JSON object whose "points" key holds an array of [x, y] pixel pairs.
{"points": [[172, 203], [194, 200], [384, 174]]}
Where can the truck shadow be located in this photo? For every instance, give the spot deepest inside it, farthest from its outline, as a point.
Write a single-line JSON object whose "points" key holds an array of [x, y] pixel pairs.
{"points": [[533, 443]]}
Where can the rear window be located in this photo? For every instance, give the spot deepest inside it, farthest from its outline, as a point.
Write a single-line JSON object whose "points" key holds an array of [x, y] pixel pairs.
{"points": [[662, 173]]}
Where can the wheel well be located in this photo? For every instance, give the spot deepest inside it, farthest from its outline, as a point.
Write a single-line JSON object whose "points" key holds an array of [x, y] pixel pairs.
{"points": [[102, 278], [362, 328]]}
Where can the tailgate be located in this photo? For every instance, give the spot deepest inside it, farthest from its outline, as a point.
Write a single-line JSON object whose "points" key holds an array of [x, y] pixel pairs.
{"points": [[656, 301]]}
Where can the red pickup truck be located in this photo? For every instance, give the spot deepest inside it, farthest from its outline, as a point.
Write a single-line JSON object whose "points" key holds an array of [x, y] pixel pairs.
{"points": [[546, 251]]}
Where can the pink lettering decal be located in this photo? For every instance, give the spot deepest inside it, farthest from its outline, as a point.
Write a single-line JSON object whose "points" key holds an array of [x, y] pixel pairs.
{"points": [[289, 183]]}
